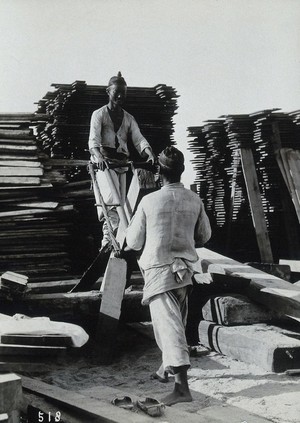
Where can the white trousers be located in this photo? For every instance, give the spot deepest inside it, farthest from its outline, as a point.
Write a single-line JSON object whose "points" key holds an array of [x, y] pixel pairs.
{"points": [[169, 314], [111, 197]]}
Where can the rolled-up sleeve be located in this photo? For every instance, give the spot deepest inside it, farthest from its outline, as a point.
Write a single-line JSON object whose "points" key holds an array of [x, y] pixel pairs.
{"points": [[136, 231], [95, 130], [202, 228], [139, 141]]}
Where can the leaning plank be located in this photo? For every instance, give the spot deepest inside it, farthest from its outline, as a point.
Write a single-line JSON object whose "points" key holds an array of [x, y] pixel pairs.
{"points": [[262, 345], [257, 212], [94, 407], [114, 282], [273, 292], [293, 157]]}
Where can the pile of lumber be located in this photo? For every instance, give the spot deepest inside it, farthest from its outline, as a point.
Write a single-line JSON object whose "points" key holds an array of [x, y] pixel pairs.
{"points": [[247, 318], [49, 227], [70, 106], [247, 170]]}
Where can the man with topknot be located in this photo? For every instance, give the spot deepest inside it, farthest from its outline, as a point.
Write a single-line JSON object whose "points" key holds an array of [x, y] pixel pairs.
{"points": [[166, 228], [111, 128]]}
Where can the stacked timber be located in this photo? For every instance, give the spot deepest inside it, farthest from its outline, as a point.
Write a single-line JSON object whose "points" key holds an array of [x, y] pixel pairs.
{"points": [[248, 173], [249, 321], [38, 220], [70, 106], [49, 229]]}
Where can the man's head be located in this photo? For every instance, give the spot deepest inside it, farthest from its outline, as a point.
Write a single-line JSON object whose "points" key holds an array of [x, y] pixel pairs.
{"points": [[171, 164], [117, 89]]}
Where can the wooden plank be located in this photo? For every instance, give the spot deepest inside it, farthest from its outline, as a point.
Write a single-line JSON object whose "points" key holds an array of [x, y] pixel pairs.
{"points": [[114, 282], [16, 133], [20, 163], [10, 392], [82, 306], [50, 287], [293, 264], [32, 350], [293, 158], [8, 148], [94, 407], [262, 345], [21, 171], [14, 180], [257, 212], [275, 293], [37, 340]]}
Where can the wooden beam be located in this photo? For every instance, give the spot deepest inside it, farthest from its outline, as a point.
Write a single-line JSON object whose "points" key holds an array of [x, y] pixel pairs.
{"points": [[232, 310], [265, 346], [275, 293], [257, 211]]}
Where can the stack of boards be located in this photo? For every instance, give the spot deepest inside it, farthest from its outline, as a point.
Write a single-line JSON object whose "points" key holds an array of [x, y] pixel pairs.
{"points": [[272, 138], [30, 352], [49, 229]]}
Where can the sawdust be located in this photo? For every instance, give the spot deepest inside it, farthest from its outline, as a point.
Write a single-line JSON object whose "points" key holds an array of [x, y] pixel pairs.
{"points": [[214, 380]]}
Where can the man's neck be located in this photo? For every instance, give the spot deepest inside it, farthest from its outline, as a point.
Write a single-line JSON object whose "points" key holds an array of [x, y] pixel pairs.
{"points": [[114, 107], [166, 181]]}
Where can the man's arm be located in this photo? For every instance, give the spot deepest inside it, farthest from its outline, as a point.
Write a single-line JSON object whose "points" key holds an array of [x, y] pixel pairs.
{"points": [[136, 231], [95, 139], [140, 142], [202, 228]]}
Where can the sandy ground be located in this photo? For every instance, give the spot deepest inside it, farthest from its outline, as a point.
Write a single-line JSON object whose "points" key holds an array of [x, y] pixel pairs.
{"points": [[215, 380]]}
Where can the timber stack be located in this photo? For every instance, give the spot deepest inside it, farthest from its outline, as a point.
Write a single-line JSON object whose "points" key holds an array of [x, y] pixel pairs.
{"points": [[247, 169], [49, 227]]}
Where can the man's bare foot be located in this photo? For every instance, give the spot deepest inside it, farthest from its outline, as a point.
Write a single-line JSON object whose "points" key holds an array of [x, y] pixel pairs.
{"points": [[178, 395]]}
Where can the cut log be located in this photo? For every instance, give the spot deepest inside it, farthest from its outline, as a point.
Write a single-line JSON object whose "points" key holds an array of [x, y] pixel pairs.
{"points": [[83, 307], [262, 345], [10, 392], [275, 293], [232, 310]]}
